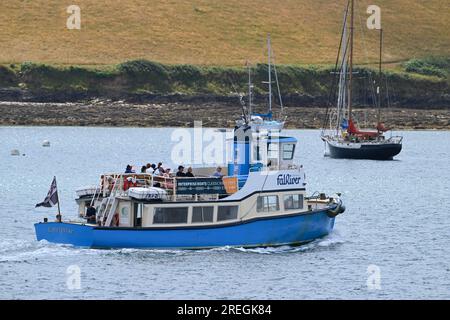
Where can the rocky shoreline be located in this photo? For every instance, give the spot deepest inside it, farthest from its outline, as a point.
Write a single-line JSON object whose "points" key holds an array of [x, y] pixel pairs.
{"points": [[181, 114]]}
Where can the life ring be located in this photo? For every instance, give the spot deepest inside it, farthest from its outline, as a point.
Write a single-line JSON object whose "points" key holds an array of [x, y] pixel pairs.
{"points": [[116, 220], [338, 208]]}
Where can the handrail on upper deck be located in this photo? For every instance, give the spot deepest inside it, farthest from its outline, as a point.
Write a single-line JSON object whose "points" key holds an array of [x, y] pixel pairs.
{"points": [[145, 180]]}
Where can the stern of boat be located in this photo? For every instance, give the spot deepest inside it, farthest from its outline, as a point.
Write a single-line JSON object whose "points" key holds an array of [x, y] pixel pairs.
{"points": [[79, 235]]}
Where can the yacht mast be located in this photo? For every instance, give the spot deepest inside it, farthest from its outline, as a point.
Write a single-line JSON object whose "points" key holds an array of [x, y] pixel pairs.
{"points": [[350, 93], [249, 91], [379, 79], [270, 74]]}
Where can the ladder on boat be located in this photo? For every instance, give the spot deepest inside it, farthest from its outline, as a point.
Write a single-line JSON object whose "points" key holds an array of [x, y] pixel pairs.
{"points": [[109, 205]]}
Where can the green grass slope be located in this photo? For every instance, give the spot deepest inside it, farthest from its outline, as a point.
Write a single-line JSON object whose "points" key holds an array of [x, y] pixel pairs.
{"points": [[214, 32]]}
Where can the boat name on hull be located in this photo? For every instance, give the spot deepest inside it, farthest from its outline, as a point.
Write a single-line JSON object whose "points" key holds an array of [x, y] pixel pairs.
{"points": [[59, 230], [287, 179]]}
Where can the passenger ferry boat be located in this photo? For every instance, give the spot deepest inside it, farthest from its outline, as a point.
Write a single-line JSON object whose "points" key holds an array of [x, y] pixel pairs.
{"points": [[263, 203]]}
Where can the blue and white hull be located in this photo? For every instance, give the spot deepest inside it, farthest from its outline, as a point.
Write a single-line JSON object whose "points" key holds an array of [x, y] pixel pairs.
{"points": [[257, 203], [291, 229]]}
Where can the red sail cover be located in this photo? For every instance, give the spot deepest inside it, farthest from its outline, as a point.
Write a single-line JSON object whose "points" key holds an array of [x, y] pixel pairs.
{"points": [[352, 129], [381, 127]]}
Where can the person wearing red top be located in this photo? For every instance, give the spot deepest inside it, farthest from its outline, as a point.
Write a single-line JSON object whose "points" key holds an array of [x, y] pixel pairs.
{"points": [[129, 183]]}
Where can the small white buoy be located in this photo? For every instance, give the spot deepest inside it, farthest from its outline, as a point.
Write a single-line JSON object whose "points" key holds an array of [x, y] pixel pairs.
{"points": [[46, 143], [15, 152]]}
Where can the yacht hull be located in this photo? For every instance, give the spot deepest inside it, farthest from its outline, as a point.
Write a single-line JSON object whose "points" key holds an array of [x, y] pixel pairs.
{"points": [[289, 229], [385, 151]]}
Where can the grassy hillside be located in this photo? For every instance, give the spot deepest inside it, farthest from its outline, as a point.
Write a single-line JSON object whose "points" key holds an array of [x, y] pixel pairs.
{"points": [[422, 83], [213, 32]]}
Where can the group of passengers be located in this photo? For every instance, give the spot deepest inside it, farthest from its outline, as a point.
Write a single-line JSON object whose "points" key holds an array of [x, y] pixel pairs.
{"points": [[159, 171], [181, 173]]}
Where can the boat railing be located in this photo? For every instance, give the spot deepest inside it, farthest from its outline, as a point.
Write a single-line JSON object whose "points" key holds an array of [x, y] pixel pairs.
{"points": [[381, 139], [196, 188], [395, 139], [317, 198]]}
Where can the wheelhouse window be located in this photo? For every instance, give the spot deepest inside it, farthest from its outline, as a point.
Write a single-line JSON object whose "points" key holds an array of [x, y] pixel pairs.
{"points": [[170, 215], [272, 150], [293, 201], [288, 151], [202, 214], [227, 213], [267, 204]]}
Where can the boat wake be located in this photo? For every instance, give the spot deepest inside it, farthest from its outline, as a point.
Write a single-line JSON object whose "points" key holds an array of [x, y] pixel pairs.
{"points": [[13, 250]]}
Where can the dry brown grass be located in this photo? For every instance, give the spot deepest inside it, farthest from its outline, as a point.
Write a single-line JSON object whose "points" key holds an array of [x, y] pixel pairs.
{"points": [[211, 32]]}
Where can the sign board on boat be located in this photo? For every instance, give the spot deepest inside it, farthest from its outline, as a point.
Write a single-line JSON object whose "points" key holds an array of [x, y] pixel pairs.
{"points": [[226, 185]]}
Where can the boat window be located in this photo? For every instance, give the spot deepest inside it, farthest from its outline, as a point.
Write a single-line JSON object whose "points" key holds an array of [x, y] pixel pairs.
{"points": [[267, 204], [138, 208], [272, 150], [288, 151], [293, 201], [202, 214], [257, 152], [227, 213], [170, 215]]}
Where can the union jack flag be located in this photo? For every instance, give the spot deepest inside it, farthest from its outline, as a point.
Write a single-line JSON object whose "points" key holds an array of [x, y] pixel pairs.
{"points": [[52, 196]]}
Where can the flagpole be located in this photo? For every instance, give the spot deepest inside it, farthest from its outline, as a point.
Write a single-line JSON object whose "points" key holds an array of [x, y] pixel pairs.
{"points": [[58, 217]]}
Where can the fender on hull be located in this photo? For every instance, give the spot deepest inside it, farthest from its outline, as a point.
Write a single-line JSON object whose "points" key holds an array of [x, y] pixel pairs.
{"points": [[287, 230]]}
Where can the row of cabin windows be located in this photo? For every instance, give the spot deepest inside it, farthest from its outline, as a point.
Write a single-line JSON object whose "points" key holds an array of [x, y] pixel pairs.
{"points": [[273, 150], [270, 203], [206, 213], [199, 214]]}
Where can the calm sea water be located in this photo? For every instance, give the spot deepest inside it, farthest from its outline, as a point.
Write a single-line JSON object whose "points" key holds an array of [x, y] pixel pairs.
{"points": [[397, 222]]}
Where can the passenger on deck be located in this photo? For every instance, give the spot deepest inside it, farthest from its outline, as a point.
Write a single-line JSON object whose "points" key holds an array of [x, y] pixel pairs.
{"points": [[158, 172], [168, 181], [129, 183], [180, 172], [143, 169], [110, 183], [151, 168], [129, 169], [160, 168], [167, 173], [189, 173], [218, 173], [91, 214]]}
